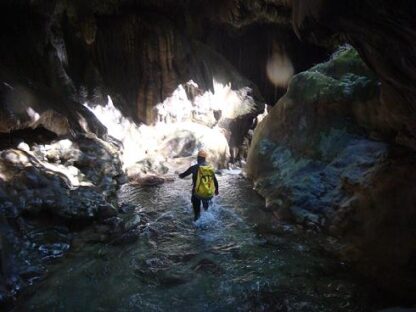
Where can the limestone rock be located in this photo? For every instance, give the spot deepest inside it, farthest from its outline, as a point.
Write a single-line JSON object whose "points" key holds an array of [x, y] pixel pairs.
{"points": [[314, 159], [44, 187]]}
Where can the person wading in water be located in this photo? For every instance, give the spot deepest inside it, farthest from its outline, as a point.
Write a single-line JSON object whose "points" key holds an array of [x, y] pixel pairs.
{"points": [[204, 183]]}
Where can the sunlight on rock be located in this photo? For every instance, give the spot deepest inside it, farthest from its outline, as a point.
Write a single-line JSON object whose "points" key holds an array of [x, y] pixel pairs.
{"points": [[117, 125], [184, 139], [175, 108], [23, 147], [49, 157], [64, 149], [16, 158], [186, 121], [190, 103], [234, 103]]}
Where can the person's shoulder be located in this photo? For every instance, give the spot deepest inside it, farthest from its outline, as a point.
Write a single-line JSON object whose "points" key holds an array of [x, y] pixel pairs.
{"points": [[208, 166]]}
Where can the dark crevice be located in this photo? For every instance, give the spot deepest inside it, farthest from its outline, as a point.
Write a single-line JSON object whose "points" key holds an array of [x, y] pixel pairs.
{"points": [[29, 136]]}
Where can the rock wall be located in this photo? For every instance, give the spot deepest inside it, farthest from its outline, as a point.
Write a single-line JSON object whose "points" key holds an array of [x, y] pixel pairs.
{"points": [[319, 158], [85, 52], [58, 55], [140, 52], [377, 215], [383, 33], [266, 53]]}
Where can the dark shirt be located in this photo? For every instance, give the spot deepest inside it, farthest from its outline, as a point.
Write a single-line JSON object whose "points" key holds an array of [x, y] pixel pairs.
{"points": [[194, 171]]}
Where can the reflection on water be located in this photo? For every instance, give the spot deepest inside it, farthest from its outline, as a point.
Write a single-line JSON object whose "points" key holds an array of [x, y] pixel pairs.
{"points": [[231, 259]]}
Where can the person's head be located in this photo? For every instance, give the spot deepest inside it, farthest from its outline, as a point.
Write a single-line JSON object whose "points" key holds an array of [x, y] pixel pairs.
{"points": [[202, 156]]}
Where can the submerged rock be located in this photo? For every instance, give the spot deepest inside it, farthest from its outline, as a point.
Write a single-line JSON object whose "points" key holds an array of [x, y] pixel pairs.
{"points": [[207, 265], [147, 180]]}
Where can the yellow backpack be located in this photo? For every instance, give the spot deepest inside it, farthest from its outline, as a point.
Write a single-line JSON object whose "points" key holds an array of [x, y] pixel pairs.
{"points": [[205, 187]]}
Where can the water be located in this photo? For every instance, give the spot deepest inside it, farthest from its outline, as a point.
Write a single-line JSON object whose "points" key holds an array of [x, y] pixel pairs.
{"points": [[232, 259]]}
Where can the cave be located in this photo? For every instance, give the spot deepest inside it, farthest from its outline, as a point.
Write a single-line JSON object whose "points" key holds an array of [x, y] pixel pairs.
{"points": [[295, 119]]}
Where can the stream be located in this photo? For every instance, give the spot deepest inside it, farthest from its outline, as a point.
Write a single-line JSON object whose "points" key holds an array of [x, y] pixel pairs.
{"points": [[232, 259]]}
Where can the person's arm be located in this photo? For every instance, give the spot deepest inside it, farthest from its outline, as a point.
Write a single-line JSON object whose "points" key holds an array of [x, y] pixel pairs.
{"points": [[186, 173], [216, 185]]}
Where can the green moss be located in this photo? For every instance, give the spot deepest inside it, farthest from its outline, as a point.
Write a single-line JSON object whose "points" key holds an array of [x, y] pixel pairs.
{"points": [[343, 78], [345, 60], [311, 86]]}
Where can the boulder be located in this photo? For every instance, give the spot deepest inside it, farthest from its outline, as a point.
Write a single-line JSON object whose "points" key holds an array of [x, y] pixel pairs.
{"points": [[149, 180], [320, 157], [43, 189]]}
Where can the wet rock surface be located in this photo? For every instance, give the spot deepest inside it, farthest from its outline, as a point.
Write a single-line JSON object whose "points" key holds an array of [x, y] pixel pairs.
{"points": [[319, 159], [48, 191]]}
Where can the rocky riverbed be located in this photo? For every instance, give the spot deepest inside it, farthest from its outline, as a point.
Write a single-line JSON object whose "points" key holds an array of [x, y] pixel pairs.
{"points": [[233, 258]]}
